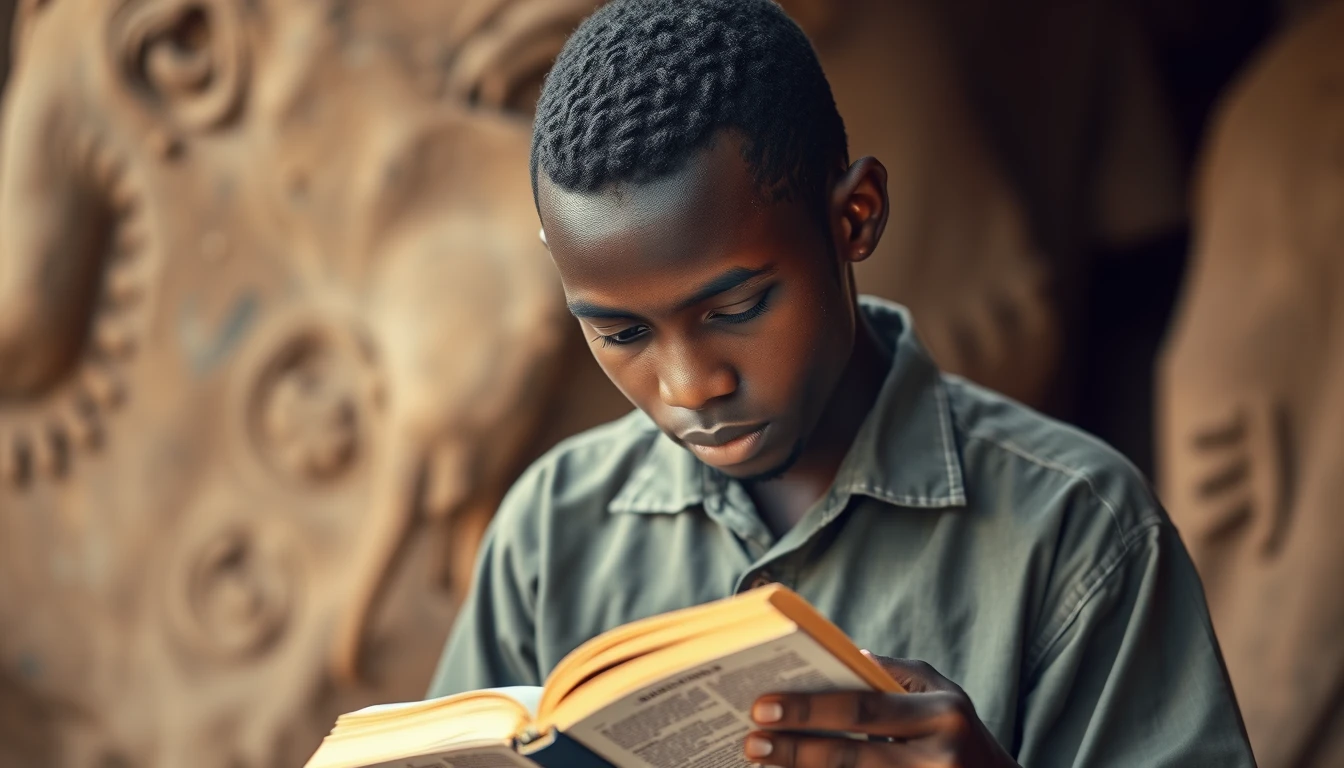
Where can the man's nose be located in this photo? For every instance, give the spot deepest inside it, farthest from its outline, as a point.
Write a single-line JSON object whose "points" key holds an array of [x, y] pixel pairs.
{"points": [[691, 379]]}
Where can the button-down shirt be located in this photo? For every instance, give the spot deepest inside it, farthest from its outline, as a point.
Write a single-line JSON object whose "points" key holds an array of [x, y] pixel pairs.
{"points": [[1023, 559]]}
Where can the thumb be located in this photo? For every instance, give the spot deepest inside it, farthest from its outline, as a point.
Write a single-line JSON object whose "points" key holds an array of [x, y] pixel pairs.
{"points": [[914, 676]]}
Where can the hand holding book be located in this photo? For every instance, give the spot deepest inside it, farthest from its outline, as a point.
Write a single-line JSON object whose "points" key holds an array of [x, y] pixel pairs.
{"points": [[933, 723], [681, 690]]}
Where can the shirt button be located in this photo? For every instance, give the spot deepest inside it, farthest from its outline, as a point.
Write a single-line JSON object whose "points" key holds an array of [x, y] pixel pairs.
{"points": [[762, 579]]}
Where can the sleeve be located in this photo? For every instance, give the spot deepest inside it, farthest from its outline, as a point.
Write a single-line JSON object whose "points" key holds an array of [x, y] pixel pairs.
{"points": [[493, 639], [1134, 675]]}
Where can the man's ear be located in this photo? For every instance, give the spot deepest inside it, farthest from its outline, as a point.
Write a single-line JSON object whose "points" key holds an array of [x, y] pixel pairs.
{"points": [[859, 209]]}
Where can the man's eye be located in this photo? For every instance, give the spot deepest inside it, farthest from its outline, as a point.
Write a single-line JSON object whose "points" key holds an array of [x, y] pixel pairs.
{"points": [[631, 334], [752, 312]]}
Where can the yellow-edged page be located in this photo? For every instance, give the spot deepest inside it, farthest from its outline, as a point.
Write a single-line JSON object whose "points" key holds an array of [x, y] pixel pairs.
{"points": [[670, 691], [571, 673], [475, 729], [630, 640], [688, 703], [659, 666]]}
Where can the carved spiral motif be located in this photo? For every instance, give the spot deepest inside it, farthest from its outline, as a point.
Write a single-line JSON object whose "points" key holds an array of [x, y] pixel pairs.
{"points": [[187, 57], [231, 593], [307, 404], [309, 416]]}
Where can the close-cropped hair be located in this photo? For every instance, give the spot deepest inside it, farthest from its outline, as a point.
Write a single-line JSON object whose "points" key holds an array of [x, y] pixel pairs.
{"points": [[642, 85]]}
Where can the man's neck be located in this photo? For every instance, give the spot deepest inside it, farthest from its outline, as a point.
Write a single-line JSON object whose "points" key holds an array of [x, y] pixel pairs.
{"points": [[784, 501]]}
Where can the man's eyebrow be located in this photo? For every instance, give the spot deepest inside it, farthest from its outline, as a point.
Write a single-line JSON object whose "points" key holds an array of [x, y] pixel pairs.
{"points": [[724, 283], [589, 311]]}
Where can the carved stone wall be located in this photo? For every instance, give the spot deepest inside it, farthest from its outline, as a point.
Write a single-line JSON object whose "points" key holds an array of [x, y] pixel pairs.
{"points": [[277, 332], [271, 299], [1252, 393]]}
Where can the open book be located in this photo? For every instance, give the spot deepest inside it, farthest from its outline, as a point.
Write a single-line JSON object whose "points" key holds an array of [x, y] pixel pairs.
{"points": [[664, 692]]}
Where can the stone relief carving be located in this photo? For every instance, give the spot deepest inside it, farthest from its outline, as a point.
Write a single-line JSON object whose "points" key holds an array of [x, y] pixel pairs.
{"points": [[1252, 393], [271, 300], [277, 332]]}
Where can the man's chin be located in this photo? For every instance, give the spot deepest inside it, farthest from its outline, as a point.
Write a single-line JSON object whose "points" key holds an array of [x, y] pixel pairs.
{"points": [[751, 475]]}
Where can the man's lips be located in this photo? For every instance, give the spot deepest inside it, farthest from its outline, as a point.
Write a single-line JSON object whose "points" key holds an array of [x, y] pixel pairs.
{"points": [[728, 445], [713, 438]]}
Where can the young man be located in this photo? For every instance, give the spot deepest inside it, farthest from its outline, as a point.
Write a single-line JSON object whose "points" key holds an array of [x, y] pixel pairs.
{"points": [[695, 193]]}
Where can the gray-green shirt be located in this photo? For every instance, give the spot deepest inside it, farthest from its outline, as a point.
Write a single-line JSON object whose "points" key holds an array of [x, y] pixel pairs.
{"points": [[1023, 559]]}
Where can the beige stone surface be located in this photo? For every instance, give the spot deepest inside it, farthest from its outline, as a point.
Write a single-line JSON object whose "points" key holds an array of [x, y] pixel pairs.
{"points": [[1252, 393], [956, 249], [276, 333], [271, 302]]}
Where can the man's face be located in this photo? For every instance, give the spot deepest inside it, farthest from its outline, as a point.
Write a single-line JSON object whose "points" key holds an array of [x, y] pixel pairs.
{"points": [[726, 319]]}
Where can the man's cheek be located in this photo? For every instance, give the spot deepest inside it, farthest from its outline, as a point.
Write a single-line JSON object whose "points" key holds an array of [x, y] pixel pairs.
{"points": [[632, 380]]}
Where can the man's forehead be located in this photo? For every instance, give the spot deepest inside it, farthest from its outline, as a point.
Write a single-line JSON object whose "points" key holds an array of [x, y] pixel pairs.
{"points": [[706, 192], [584, 219]]}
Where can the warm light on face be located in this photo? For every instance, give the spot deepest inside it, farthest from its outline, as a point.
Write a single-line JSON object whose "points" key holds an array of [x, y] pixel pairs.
{"points": [[718, 316]]}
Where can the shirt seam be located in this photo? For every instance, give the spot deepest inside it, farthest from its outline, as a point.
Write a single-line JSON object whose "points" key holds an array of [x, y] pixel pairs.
{"points": [[1073, 472], [883, 494], [1090, 585], [956, 491]]}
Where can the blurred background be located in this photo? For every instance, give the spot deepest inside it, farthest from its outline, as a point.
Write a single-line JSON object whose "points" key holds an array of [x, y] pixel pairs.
{"points": [[277, 332]]}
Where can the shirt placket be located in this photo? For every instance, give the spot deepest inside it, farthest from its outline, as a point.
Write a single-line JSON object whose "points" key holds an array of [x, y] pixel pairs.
{"points": [[728, 505], [773, 561]]}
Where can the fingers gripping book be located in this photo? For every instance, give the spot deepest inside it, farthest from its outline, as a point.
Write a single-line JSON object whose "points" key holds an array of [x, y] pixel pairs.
{"points": [[670, 691]]}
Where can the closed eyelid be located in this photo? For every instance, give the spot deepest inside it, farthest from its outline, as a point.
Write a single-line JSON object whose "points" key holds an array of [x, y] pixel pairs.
{"points": [[735, 279], [751, 288], [753, 294], [752, 299]]}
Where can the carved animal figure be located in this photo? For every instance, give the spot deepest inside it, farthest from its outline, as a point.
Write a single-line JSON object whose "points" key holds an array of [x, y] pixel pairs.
{"points": [[1252, 393], [272, 301], [270, 291]]}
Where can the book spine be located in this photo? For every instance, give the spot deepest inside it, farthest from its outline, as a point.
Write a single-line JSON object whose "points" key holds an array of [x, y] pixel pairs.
{"points": [[557, 750]]}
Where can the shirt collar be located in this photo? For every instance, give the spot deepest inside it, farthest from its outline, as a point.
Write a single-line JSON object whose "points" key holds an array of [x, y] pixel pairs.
{"points": [[905, 453]]}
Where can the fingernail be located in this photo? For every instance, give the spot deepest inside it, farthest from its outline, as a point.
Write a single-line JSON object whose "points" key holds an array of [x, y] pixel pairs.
{"points": [[768, 712], [758, 747], [867, 653]]}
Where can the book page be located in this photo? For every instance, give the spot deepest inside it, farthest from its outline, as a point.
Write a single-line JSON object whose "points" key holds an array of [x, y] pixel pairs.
{"points": [[527, 695], [701, 716], [488, 756]]}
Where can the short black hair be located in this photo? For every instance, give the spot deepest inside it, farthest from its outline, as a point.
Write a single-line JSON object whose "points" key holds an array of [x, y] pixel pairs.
{"points": [[642, 85]]}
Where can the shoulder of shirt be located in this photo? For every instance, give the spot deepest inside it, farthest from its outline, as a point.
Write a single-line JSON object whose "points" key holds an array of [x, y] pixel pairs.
{"points": [[1079, 464]]}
